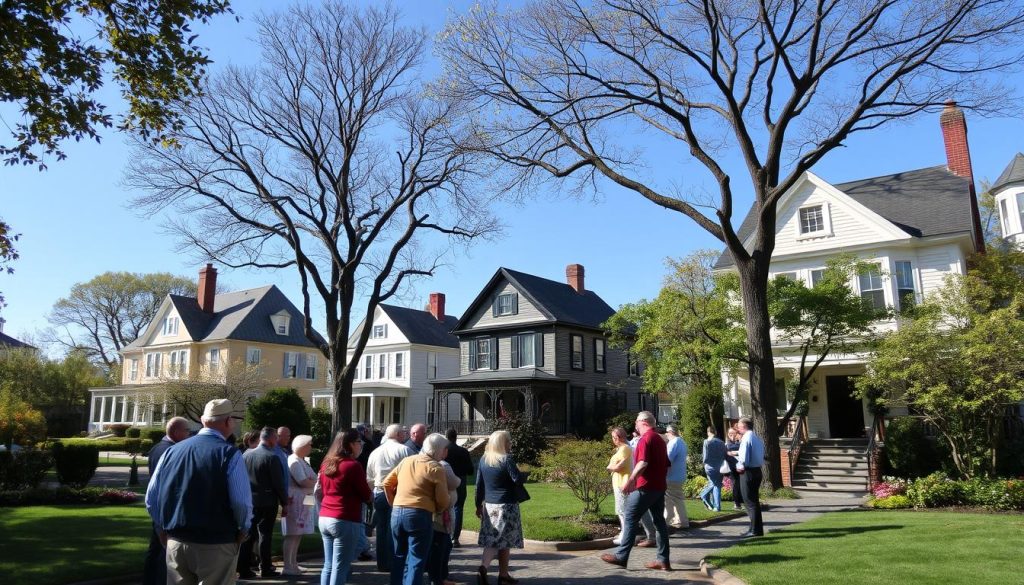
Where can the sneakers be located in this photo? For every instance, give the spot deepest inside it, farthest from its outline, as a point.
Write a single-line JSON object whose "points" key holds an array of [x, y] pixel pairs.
{"points": [[617, 540], [706, 504]]}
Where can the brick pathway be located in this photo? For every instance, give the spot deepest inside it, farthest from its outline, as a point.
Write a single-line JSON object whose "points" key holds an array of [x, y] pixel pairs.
{"points": [[548, 568]]}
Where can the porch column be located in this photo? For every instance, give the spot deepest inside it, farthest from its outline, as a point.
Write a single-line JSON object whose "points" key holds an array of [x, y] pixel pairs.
{"points": [[373, 409]]}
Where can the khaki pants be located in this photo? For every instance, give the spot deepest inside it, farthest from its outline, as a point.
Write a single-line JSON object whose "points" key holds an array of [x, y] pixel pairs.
{"points": [[675, 506], [201, 564]]}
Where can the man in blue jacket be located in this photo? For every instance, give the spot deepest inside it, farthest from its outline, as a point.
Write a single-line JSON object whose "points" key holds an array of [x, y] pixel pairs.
{"points": [[199, 500], [154, 571]]}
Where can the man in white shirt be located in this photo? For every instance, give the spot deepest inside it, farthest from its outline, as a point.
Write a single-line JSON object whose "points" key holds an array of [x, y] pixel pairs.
{"points": [[382, 461], [748, 463]]}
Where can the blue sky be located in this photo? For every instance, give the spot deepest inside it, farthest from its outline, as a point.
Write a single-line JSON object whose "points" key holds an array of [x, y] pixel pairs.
{"points": [[76, 220]]}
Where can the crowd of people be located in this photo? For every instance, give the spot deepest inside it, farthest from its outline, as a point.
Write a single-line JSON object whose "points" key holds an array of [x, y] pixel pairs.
{"points": [[214, 507]]}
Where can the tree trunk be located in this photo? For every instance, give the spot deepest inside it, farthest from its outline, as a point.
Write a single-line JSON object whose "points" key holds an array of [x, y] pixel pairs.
{"points": [[341, 419], [761, 368]]}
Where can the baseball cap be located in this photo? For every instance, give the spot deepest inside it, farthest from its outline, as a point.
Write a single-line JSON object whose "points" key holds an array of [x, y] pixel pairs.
{"points": [[219, 407]]}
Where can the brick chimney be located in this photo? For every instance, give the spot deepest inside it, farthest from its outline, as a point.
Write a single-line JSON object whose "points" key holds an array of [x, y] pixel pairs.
{"points": [[207, 288], [437, 306], [574, 277], [958, 160]]}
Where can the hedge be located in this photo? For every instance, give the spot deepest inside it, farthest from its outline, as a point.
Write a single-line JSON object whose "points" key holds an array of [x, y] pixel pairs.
{"points": [[939, 491], [66, 495], [25, 469], [113, 444], [76, 464]]}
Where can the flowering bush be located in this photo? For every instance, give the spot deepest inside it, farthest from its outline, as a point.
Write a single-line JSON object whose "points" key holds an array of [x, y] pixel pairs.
{"points": [[938, 491], [890, 486], [113, 496], [694, 485]]}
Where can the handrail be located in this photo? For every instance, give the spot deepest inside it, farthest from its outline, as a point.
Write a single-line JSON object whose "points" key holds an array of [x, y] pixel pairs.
{"points": [[877, 428], [795, 444]]}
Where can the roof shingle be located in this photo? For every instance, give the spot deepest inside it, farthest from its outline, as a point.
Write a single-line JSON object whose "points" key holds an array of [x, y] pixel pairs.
{"points": [[1013, 173]]}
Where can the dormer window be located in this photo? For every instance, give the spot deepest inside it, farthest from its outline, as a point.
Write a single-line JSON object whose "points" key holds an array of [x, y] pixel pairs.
{"points": [[379, 331], [171, 326], [281, 321], [505, 304], [812, 220]]}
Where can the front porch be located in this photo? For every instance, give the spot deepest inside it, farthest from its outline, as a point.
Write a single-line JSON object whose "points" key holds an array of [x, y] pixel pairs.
{"points": [[472, 406]]}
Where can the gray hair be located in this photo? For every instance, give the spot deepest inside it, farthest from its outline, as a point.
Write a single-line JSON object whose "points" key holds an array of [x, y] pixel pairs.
{"points": [[214, 419], [433, 445], [747, 422], [267, 432], [647, 417], [392, 431]]}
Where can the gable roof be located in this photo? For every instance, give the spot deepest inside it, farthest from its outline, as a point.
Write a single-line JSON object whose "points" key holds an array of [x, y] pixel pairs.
{"points": [[240, 315], [923, 202], [557, 301], [8, 341], [1013, 173], [421, 327]]}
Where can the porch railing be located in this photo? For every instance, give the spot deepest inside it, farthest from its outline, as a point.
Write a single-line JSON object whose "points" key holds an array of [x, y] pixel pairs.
{"points": [[486, 427], [796, 443], [875, 436]]}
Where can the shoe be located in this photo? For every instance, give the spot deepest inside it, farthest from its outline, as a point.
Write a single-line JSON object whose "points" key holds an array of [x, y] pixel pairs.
{"points": [[507, 580], [617, 540], [746, 534], [292, 572], [646, 544], [659, 566], [270, 573], [613, 560], [716, 509], [247, 575], [737, 507], [707, 505], [365, 556], [481, 575], [456, 544]]}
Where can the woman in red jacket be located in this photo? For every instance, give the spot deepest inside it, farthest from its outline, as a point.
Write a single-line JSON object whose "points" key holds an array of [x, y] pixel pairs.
{"points": [[341, 490]]}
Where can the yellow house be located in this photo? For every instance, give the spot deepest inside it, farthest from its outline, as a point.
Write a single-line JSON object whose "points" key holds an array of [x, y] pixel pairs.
{"points": [[254, 337]]}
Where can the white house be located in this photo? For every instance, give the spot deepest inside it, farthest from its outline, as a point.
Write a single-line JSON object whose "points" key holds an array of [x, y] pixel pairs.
{"points": [[1009, 195], [407, 349], [917, 226]]}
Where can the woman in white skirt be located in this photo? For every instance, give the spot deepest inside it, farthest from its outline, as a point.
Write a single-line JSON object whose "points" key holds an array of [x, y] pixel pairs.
{"points": [[498, 489], [300, 519]]}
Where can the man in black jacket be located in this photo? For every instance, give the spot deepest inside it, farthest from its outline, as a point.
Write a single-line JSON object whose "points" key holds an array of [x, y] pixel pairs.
{"points": [[154, 571], [462, 465], [269, 490]]}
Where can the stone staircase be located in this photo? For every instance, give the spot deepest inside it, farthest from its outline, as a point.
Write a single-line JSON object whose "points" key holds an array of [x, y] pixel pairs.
{"points": [[836, 467]]}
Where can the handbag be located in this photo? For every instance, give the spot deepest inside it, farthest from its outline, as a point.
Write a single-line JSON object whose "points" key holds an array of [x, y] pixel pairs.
{"points": [[724, 469]]}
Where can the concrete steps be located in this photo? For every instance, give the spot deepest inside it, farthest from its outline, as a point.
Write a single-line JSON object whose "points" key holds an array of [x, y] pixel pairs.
{"points": [[832, 467]]}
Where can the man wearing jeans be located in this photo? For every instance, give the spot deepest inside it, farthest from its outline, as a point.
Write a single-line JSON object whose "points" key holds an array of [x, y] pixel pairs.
{"points": [[748, 464], [645, 491], [381, 462]]}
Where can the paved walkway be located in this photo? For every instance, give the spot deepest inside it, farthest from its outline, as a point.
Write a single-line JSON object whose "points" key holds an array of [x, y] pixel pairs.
{"points": [[548, 568]]}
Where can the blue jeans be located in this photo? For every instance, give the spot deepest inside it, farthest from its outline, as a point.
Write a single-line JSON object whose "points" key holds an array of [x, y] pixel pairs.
{"points": [[639, 503], [382, 523], [412, 530], [341, 539], [714, 487]]}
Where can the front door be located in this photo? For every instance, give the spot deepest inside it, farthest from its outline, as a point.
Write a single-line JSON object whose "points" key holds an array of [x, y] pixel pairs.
{"points": [[845, 412]]}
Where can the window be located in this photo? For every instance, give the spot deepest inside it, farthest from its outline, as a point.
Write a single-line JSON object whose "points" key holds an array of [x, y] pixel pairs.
{"points": [[214, 359], [633, 365], [171, 326], [281, 320], [812, 220], [399, 365], [506, 304], [153, 365], [576, 347], [282, 329], [483, 354], [183, 361], [253, 355], [817, 276], [786, 275], [431, 366], [781, 399], [291, 365], [379, 331], [368, 367], [871, 288], [905, 285], [310, 369], [1004, 215], [134, 371], [599, 355], [527, 350], [382, 366], [1020, 209], [174, 363]]}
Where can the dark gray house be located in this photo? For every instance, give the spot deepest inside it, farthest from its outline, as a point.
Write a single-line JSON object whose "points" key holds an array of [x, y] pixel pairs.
{"points": [[532, 345]]}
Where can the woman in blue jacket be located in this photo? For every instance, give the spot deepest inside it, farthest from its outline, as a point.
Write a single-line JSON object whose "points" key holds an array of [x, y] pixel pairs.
{"points": [[498, 493]]}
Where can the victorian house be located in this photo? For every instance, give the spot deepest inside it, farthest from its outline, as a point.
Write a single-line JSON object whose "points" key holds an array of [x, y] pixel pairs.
{"points": [[407, 350], [204, 337], [536, 346]]}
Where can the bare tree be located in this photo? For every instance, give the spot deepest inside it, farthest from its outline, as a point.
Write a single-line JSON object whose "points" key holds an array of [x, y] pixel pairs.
{"points": [[187, 394], [329, 157], [572, 90], [101, 316]]}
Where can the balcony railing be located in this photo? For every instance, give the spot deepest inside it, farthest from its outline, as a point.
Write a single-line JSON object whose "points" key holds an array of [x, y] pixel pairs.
{"points": [[486, 427]]}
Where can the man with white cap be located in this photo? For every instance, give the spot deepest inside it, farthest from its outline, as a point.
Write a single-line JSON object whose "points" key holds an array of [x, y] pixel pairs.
{"points": [[200, 503]]}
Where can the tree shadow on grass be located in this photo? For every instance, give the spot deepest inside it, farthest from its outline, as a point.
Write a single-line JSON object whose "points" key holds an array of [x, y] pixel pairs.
{"points": [[815, 533]]}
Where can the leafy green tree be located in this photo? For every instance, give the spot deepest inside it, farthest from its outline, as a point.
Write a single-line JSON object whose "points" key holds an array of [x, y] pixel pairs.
{"points": [[279, 407], [581, 466], [959, 362], [100, 317], [8, 253], [19, 422], [54, 55]]}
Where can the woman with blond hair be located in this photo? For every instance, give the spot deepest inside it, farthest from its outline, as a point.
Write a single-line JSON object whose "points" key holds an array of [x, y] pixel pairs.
{"points": [[498, 493]]}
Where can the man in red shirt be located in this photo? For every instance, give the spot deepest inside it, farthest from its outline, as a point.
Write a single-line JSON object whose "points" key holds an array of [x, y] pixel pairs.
{"points": [[645, 490]]}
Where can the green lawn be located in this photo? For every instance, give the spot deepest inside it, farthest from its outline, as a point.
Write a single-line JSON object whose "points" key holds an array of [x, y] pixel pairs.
{"points": [[52, 545], [867, 546], [550, 500]]}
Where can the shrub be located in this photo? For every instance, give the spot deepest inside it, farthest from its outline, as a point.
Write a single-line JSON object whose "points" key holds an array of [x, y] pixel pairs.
{"points": [[581, 466], [783, 493], [23, 470], [280, 407], [76, 464], [19, 422], [133, 433], [110, 444], [625, 420], [935, 491], [908, 450], [154, 434], [528, 437], [891, 502], [320, 428], [694, 484], [119, 429], [702, 406], [65, 495], [891, 486]]}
